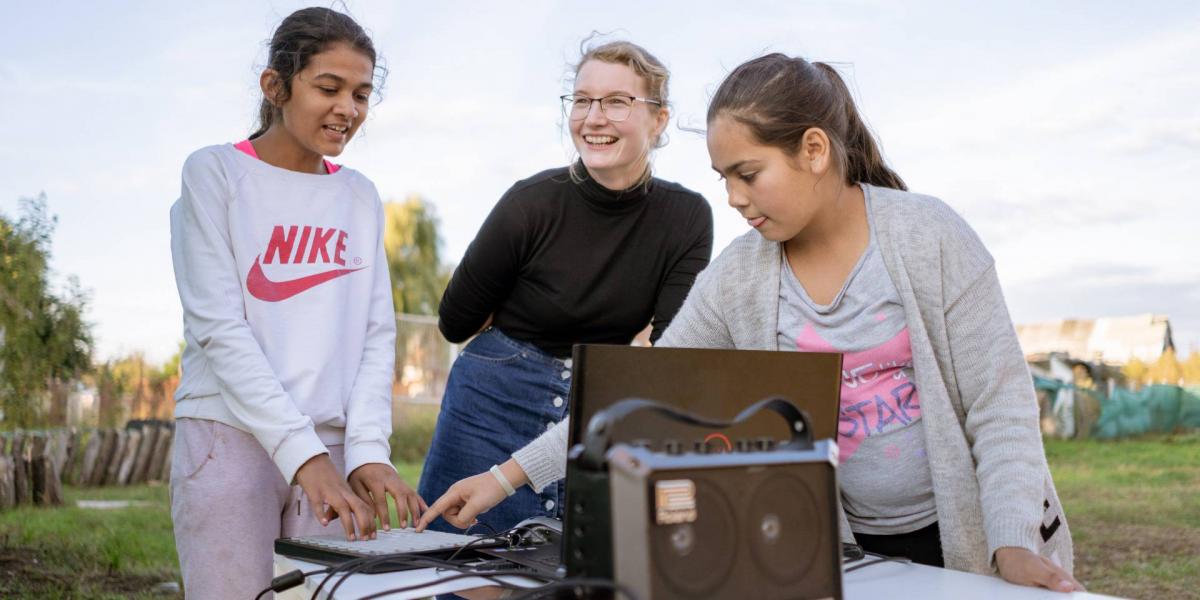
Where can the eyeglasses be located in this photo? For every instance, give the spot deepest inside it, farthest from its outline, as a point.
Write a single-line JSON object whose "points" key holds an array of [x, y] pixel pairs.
{"points": [[616, 107]]}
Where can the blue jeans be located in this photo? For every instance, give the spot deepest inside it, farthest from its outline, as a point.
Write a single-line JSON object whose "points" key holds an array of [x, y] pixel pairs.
{"points": [[501, 394]]}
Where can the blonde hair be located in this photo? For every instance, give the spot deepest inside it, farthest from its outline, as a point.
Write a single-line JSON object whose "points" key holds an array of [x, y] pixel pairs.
{"points": [[652, 72]]}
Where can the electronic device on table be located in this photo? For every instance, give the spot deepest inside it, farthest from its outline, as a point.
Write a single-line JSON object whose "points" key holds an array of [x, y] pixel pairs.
{"points": [[335, 549], [536, 544], [717, 384], [761, 523]]}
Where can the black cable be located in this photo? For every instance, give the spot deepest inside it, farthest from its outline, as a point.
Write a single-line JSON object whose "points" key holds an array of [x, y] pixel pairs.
{"points": [[358, 565], [368, 564], [603, 584], [504, 536], [495, 537], [288, 581], [491, 529], [879, 558], [492, 578], [348, 568], [362, 563]]}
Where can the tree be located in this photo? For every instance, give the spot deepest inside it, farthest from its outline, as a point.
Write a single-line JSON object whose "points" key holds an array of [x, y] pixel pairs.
{"points": [[1166, 369], [1191, 368], [131, 388], [413, 248], [44, 339], [111, 389], [1135, 372]]}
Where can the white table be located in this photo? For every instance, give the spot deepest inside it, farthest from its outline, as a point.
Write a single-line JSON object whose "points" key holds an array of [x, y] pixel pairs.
{"points": [[883, 580]]}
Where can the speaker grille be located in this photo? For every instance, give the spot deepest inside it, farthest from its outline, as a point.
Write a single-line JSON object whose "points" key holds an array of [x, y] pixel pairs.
{"points": [[782, 521], [694, 558]]}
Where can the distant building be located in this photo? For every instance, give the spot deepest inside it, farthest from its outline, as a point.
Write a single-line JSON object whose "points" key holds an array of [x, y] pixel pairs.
{"points": [[1107, 340]]}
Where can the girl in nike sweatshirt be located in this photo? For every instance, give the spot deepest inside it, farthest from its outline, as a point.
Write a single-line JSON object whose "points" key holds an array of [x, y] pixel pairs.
{"points": [[284, 409]]}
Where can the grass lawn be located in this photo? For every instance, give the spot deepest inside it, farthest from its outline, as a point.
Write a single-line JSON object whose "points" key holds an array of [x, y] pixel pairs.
{"points": [[1133, 508], [71, 552], [1134, 511]]}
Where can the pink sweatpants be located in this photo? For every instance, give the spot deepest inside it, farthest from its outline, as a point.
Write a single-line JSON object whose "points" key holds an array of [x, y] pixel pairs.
{"points": [[229, 503]]}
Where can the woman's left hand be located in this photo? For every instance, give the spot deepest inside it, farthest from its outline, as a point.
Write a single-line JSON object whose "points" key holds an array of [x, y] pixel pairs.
{"points": [[374, 481], [1022, 567]]}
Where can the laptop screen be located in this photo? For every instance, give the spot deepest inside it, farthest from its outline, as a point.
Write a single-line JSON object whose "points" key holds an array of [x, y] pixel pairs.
{"points": [[715, 384]]}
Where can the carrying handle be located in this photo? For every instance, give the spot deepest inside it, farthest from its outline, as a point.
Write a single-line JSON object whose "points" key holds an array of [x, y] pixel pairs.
{"points": [[597, 438]]}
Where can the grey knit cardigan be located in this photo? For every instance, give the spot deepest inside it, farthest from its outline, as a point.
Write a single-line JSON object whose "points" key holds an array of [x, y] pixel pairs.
{"points": [[991, 483]]}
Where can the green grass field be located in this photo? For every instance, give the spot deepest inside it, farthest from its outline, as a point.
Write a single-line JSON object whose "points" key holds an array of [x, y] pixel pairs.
{"points": [[1133, 508], [1134, 511]]}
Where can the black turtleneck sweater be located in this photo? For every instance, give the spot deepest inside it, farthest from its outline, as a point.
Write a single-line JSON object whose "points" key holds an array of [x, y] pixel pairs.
{"points": [[561, 263]]}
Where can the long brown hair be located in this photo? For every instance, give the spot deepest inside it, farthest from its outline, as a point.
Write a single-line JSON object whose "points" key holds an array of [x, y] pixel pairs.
{"points": [[303, 34], [780, 97]]}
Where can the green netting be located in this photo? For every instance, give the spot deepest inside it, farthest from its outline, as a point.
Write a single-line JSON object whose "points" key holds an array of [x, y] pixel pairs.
{"points": [[1189, 409], [1050, 385], [1154, 408]]}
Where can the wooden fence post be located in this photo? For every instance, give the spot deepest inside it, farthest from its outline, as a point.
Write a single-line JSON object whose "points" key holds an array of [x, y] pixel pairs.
{"points": [[37, 442], [164, 474], [82, 474], [61, 451], [6, 482], [145, 452], [47, 488], [73, 469], [108, 441], [162, 455], [113, 467], [128, 457], [22, 478]]}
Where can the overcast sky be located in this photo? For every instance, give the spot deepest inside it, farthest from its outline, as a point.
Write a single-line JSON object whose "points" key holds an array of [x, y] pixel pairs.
{"points": [[1067, 133]]}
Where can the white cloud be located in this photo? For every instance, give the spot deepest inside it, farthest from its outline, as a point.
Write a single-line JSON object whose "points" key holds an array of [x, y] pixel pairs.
{"points": [[1066, 135]]}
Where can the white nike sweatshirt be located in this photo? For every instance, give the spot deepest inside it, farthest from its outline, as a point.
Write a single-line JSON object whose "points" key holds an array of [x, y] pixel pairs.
{"points": [[287, 307]]}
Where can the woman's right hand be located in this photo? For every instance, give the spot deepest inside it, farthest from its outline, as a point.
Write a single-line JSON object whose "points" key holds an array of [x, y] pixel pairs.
{"points": [[470, 497], [331, 498]]}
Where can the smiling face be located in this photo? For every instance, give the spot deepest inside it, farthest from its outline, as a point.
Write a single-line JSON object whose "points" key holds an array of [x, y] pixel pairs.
{"points": [[777, 193], [615, 153], [328, 101]]}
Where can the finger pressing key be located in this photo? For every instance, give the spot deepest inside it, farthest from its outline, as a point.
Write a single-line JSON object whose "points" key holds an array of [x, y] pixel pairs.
{"points": [[365, 515], [412, 504], [379, 497], [434, 512], [339, 506]]}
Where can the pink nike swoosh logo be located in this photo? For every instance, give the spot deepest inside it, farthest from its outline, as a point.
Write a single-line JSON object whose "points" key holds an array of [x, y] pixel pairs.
{"points": [[273, 291]]}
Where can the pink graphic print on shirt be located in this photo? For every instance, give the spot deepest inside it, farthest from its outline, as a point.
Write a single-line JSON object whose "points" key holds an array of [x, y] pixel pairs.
{"points": [[877, 396]]}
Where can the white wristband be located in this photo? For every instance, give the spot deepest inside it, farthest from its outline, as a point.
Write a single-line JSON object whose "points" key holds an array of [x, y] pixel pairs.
{"points": [[504, 482]]}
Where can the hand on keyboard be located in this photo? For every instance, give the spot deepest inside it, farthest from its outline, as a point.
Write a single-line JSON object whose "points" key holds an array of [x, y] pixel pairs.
{"points": [[331, 498], [373, 482], [470, 497]]}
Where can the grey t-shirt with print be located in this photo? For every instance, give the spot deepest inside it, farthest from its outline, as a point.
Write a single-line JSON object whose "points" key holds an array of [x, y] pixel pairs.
{"points": [[883, 470]]}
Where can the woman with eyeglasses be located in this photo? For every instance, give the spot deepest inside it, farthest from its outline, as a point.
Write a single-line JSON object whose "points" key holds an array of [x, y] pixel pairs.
{"points": [[590, 253]]}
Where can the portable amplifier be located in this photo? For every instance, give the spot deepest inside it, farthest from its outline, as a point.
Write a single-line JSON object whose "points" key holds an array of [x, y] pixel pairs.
{"points": [[744, 525]]}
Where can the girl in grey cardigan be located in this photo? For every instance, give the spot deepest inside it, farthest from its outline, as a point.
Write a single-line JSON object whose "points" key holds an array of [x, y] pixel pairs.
{"points": [[941, 457]]}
